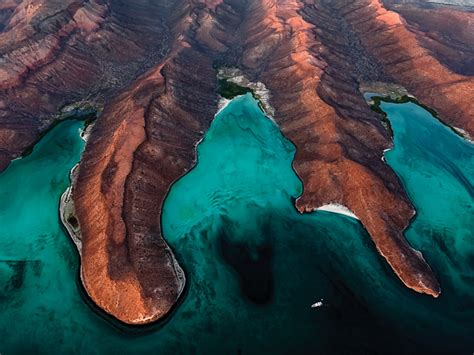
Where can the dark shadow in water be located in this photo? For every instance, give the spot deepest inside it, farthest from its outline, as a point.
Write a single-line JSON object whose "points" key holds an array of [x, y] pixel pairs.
{"points": [[16, 281], [253, 263]]}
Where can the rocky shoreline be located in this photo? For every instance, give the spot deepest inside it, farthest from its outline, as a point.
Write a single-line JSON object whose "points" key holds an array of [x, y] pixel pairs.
{"points": [[258, 89], [67, 212], [70, 222], [374, 92]]}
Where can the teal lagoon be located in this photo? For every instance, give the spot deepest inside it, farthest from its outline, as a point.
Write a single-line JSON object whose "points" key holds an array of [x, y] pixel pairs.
{"points": [[254, 266]]}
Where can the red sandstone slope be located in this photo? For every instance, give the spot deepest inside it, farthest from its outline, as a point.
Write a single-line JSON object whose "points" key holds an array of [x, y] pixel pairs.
{"points": [[143, 142], [447, 32], [386, 37], [57, 52], [313, 55], [339, 140]]}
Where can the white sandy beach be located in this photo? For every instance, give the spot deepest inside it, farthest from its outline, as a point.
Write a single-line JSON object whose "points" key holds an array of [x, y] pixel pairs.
{"points": [[337, 208], [222, 104]]}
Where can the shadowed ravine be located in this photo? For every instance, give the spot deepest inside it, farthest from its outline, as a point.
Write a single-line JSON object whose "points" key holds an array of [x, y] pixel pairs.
{"points": [[236, 207]]}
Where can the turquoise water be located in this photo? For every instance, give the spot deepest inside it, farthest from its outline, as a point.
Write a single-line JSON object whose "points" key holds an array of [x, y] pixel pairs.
{"points": [[436, 168], [254, 265]]}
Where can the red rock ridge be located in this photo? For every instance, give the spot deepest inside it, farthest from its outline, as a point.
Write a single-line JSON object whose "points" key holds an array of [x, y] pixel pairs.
{"points": [[339, 140], [57, 52], [447, 32], [387, 37], [144, 141]]}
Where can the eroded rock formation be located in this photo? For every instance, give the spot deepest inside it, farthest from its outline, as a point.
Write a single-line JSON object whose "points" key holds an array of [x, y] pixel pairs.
{"points": [[143, 142], [154, 66], [57, 52]]}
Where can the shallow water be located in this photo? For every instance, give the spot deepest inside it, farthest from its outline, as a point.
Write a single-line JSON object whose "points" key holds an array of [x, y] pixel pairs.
{"points": [[254, 265]]}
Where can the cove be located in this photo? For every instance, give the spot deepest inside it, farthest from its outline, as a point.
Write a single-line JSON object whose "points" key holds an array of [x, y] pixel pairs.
{"points": [[254, 266]]}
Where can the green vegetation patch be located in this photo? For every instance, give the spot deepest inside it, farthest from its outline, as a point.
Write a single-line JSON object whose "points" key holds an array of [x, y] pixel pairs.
{"points": [[375, 106], [229, 90]]}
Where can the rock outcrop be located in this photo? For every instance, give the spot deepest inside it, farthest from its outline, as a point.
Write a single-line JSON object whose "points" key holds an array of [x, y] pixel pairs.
{"points": [[446, 32], [58, 52], [154, 66], [143, 142]]}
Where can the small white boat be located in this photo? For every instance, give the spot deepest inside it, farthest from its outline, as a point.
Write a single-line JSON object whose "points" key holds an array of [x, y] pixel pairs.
{"points": [[317, 304]]}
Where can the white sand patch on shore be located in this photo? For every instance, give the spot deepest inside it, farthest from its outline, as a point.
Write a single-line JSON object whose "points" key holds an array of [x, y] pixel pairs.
{"points": [[463, 134], [222, 104], [383, 155], [337, 208], [86, 132], [235, 75]]}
